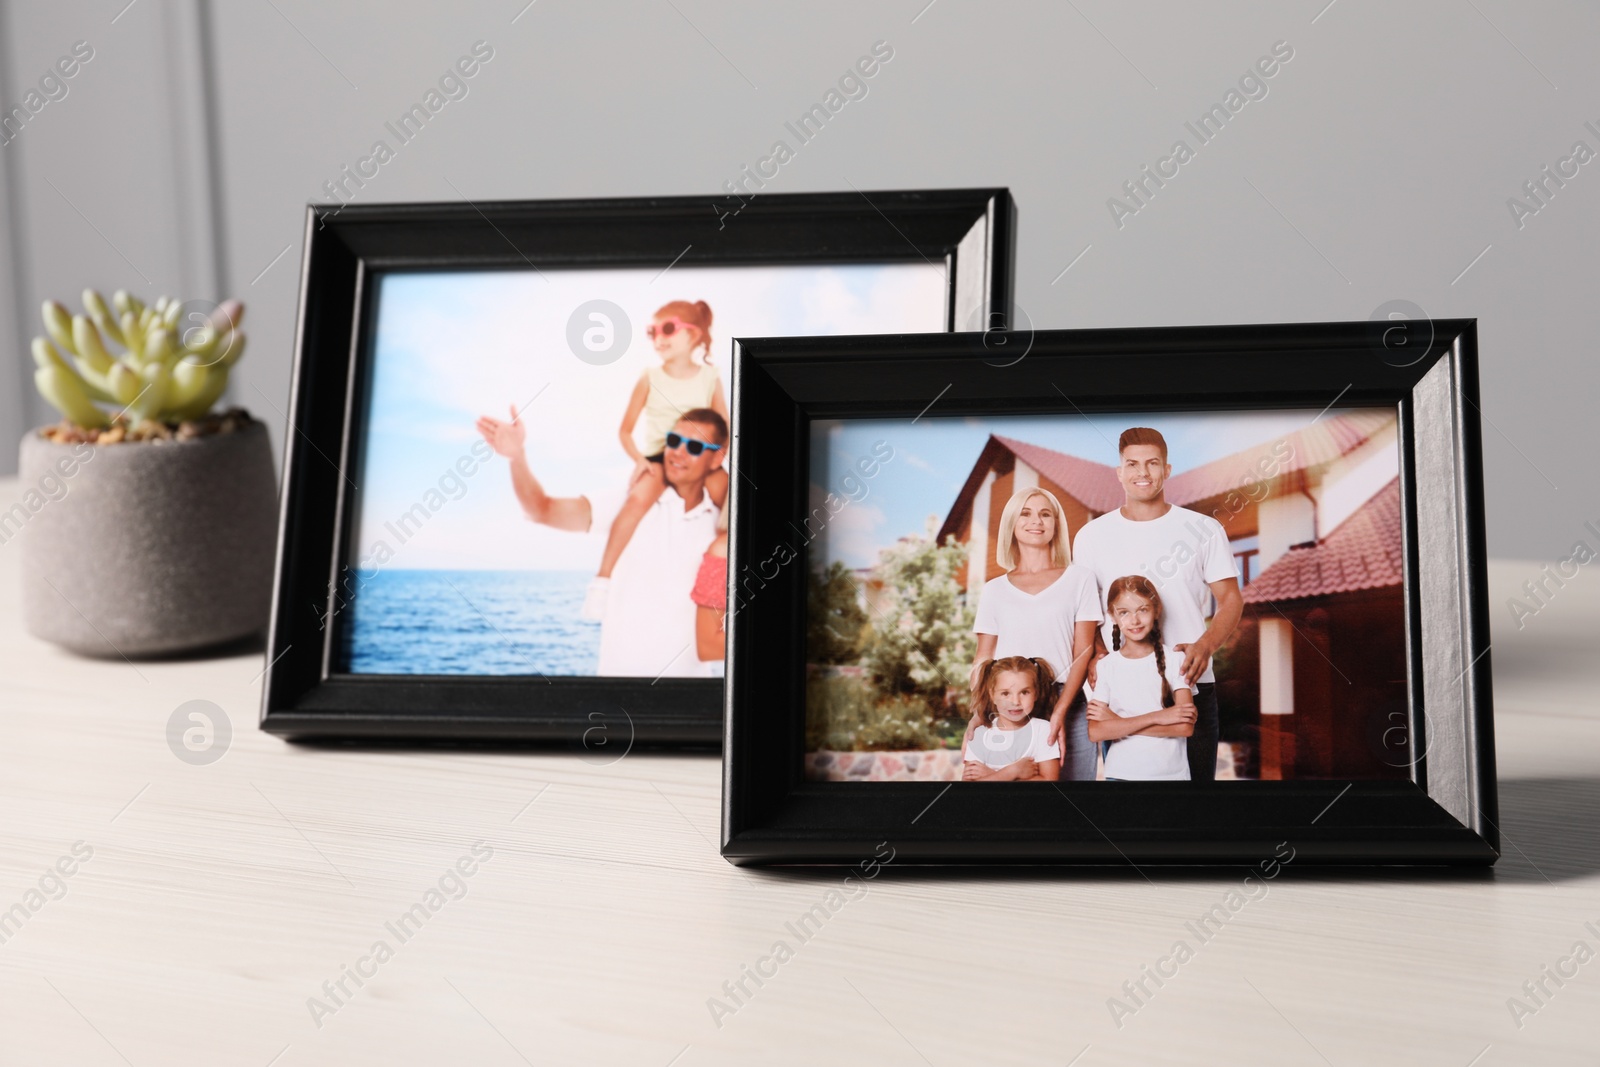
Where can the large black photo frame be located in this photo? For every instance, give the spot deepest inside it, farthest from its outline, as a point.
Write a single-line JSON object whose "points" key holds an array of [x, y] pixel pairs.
{"points": [[1444, 814], [968, 232]]}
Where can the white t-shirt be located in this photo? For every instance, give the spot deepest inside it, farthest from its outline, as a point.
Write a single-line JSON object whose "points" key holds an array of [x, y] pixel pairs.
{"points": [[1038, 624], [996, 748], [647, 630], [1181, 553], [1133, 687]]}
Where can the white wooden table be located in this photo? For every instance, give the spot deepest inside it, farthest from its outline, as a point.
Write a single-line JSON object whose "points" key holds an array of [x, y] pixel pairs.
{"points": [[219, 899]]}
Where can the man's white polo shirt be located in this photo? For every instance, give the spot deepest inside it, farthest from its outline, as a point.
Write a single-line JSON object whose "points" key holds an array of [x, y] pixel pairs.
{"points": [[647, 630]]}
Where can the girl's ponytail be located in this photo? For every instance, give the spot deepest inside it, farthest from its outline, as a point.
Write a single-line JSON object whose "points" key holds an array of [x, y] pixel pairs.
{"points": [[1044, 676], [981, 704], [703, 320], [1161, 662]]}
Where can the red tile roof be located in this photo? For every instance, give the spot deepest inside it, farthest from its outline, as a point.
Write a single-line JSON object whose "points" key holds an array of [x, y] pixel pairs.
{"points": [[1321, 442], [1093, 484], [1363, 552]]}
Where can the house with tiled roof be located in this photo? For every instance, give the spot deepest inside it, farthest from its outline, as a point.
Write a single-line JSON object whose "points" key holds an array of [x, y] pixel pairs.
{"points": [[1268, 497], [1362, 552], [1313, 522], [1328, 622]]}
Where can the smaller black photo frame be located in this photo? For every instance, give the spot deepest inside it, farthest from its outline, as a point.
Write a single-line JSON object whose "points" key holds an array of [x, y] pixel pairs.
{"points": [[350, 249], [1443, 811]]}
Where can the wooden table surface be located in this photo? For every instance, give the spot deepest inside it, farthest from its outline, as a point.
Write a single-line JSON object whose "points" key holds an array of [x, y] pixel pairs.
{"points": [[212, 910]]}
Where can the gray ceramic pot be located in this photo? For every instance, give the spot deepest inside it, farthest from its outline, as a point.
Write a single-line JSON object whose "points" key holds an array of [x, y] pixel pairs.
{"points": [[144, 548]]}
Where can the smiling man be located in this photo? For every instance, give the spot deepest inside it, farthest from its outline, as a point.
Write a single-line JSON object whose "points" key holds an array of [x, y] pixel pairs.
{"points": [[647, 630], [1186, 555]]}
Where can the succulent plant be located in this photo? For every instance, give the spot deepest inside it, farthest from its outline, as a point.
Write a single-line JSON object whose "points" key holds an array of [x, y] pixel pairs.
{"points": [[170, 369]]}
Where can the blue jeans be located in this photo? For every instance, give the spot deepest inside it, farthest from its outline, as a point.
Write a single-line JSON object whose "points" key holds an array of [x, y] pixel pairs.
{"points": [[1078, 765]]}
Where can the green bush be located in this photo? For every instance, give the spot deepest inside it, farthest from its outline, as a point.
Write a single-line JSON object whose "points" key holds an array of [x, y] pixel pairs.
{"points": [[844, 714], [836, 623], [922, 645]]}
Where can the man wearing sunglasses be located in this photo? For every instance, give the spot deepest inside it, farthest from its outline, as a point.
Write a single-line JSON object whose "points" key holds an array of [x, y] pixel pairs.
{"points": [[648, 628]]}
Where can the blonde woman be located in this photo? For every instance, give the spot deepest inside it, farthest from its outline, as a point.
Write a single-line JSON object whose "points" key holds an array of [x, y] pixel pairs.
{"points": [[1044, 607]]}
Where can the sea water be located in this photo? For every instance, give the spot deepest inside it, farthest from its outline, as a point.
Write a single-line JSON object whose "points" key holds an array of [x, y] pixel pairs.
{"points": [[470, 622]]}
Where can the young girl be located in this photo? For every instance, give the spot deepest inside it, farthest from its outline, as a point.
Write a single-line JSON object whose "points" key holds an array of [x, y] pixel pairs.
{"points": [[661, 395], [1140, 701], [1011, 746]]}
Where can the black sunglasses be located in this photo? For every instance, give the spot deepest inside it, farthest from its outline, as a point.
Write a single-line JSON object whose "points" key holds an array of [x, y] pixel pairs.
{"points": [[693, 445]]}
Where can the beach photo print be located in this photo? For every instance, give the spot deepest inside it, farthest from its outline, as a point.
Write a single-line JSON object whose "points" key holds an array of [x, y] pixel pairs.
{"points": [[544, 460]]}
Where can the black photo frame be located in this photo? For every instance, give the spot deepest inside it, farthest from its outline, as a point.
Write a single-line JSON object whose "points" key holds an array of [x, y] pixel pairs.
{"points": [[1443, 814], [966, 231]]}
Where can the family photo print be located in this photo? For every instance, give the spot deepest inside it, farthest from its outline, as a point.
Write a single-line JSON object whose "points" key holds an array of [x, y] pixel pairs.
{"points": [[1112, 597]]}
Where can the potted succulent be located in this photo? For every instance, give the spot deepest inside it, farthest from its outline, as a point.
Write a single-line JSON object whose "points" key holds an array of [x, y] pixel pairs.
{"points": [[147, 521]]}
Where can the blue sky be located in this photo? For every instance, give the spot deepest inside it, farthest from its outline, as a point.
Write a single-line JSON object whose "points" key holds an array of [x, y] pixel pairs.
{"points": [[450, 347], [933, 457]]}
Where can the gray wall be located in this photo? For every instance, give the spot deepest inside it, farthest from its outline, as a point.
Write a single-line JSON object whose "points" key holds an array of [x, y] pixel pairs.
{"points": [[1377, 167]]}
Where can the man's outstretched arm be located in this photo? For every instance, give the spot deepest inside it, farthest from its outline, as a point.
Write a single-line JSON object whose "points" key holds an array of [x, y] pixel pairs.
{"points": [[560, 512]]}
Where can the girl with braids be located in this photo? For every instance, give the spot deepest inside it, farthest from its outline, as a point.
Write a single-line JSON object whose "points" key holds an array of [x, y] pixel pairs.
{"points": [[1140, 701], [1011, 745], [661, 395]]}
